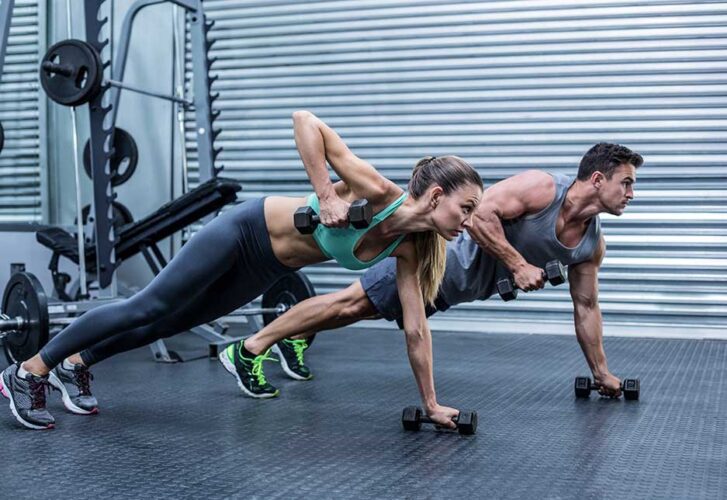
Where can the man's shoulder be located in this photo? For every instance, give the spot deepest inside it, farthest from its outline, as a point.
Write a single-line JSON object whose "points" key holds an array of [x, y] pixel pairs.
{"points": [[539, 189]]}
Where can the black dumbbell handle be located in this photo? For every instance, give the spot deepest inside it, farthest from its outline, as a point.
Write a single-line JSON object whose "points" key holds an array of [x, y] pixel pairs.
{"points": [[595, 387], [425, 419], [512, 281], [514, 285], [316, 219], [60, 69]]}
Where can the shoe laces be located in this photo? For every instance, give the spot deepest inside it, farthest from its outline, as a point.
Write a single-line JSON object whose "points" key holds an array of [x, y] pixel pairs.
{"points": [[299, 346], [38, 388], [82, 377], [257, 366]]}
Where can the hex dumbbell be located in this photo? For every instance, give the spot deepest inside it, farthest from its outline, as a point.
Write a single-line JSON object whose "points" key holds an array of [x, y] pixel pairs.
{"points": [[413, 417], [554, 273], [629, 386], [359, 215]]}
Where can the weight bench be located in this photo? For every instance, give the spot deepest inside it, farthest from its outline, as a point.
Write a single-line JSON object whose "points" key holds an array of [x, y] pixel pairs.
{"points": [[142, 237]]}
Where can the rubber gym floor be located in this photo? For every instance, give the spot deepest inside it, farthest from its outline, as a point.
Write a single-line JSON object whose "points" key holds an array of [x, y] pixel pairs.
{"points": [[186, 431]]}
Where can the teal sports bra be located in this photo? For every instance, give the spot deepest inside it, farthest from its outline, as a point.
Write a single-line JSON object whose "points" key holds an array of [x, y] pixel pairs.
{"points": [[339, 243]]}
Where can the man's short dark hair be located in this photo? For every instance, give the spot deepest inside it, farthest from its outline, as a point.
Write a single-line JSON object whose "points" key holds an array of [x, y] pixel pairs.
{"points": [[605, 158]]}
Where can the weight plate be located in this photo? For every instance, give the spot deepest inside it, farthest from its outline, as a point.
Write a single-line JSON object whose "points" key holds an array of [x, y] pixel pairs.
{"points": [[411, 418], [122, 215], [288, 290], [123, 161], [71, 72], [2, 137], [24, 296]]}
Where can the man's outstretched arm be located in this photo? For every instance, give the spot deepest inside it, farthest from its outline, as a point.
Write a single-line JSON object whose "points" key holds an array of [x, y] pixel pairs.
{"points": [[583, 279]]}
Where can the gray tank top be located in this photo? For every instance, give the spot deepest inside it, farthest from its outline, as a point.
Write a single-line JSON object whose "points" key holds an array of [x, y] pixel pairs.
{"points": [[472, 273]]}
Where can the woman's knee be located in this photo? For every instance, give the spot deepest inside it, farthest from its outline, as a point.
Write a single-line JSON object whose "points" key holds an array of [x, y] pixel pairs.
{"points": [[148, 309]]}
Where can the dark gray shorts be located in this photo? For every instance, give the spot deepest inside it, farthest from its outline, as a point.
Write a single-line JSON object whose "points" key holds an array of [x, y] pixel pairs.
{"points": [[379, 283]]}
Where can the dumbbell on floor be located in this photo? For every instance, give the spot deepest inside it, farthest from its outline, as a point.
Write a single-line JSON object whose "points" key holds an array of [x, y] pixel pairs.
{"points": [[359, 215], [554, 273], [629, 386], [413, 417]]}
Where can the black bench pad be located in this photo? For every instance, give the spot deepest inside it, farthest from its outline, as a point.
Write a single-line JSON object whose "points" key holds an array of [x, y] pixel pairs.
{"points": [[167, 220]]}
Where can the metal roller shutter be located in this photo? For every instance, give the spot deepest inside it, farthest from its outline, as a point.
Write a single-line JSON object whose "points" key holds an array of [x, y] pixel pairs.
{"points": [[21, 197], [510, 86]]}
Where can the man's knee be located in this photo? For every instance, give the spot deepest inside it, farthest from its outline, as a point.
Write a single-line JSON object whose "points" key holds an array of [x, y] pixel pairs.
{"points": [[353, 303]]}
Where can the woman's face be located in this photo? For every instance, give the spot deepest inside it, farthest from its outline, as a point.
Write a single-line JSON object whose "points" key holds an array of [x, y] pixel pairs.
{"points": [[452, 213]]}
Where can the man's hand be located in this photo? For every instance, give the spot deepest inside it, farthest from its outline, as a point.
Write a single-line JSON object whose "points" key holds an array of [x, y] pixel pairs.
{"points": [[608, 385], [528, 278], [334, 211], [442, 416]]}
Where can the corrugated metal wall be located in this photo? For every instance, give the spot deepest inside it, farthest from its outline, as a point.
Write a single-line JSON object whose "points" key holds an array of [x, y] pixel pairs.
{"points": [[21, 197], [508, 85]]}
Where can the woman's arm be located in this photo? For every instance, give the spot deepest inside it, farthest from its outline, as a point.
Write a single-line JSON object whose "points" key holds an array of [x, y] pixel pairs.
{"points": [[316, 143], [418, 335]]}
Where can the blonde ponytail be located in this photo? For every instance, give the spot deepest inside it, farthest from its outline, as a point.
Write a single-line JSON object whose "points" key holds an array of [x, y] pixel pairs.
{"points": [[431, 252]]}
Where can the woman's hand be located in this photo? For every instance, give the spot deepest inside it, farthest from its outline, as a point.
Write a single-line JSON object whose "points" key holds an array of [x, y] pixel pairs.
{"points": [[443, 415], [334, 211]]}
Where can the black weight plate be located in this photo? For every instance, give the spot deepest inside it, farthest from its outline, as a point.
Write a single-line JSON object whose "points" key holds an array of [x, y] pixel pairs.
{"points": [[289, 290], [123, 161], [467, 422], [582, 387], [24, 297], [2, 137], [82, 72], [122, 216], [411, 418]]}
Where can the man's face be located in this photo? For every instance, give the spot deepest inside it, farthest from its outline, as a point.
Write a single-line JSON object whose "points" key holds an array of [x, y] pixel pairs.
{"points": [[615, 193]]}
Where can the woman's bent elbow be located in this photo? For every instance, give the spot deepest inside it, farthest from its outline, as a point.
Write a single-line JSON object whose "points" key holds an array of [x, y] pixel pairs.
{"points": [[302, 115]]}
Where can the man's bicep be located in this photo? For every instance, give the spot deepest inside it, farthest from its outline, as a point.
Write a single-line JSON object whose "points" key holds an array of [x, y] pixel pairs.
{"points": [[583, 279]]}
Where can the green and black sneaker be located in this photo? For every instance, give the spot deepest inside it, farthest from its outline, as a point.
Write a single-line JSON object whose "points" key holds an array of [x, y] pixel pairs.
{"points": [[248, 370], [290, 354]]}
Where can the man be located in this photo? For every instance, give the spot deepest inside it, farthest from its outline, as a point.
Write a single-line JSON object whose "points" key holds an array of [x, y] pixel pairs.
{"points": [[522, 223]]}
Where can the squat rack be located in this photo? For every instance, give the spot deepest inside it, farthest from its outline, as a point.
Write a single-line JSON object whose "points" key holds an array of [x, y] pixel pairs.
{"points": [[103, 117]]}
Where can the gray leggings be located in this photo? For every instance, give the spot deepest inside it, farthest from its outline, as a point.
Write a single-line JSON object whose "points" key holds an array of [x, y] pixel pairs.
{"points": [[223, 267]]}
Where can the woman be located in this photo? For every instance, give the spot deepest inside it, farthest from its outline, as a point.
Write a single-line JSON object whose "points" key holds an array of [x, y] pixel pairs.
{"points": [[234, 258]]}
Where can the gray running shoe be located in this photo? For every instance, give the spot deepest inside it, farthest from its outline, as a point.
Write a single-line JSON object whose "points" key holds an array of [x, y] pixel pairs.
{"points": [[75, 386], [27, 398]]}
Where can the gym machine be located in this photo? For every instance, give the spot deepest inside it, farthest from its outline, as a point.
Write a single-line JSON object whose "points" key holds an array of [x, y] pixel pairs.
{"points": [[72, 74]]}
